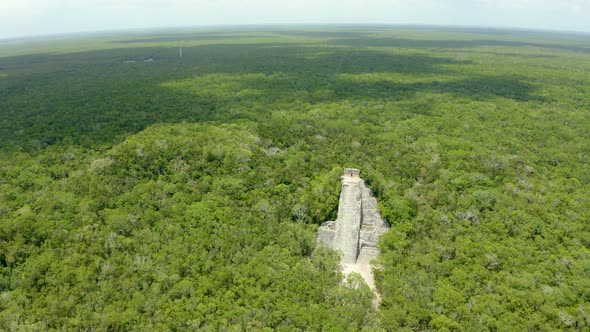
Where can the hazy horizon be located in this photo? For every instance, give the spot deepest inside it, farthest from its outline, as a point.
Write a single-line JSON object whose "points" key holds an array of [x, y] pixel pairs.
{"points": [[36, 18], [181, 29]]}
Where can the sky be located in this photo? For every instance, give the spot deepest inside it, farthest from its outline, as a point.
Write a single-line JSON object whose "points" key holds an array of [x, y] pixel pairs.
{"points": [[20, 18]]}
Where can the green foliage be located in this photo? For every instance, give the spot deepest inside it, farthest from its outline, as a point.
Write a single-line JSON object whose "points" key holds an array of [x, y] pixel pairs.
{"points": [[185, 193]]}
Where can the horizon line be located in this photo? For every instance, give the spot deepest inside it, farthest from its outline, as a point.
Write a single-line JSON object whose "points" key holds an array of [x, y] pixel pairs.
{"points": [[58, 35]]}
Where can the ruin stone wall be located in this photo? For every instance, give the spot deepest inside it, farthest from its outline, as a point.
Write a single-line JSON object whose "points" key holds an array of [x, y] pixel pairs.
{"points": [[357, 229]]}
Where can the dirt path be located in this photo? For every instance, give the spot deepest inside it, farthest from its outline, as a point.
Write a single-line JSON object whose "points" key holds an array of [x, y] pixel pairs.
{"points": [[365, 271]]}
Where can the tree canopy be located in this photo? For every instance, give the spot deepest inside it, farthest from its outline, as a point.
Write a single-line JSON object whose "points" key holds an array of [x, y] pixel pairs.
{"points": [[186, 193]]}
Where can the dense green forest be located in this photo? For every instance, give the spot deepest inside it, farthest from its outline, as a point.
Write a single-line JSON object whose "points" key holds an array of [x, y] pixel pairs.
{"points": [[141, 190]]}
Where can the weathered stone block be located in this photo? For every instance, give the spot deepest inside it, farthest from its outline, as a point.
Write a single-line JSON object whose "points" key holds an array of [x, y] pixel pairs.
{"points": [[356, 231]]}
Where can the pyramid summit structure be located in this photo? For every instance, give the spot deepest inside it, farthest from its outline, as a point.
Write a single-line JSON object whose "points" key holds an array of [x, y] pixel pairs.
{"points": [[355, 232]]}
